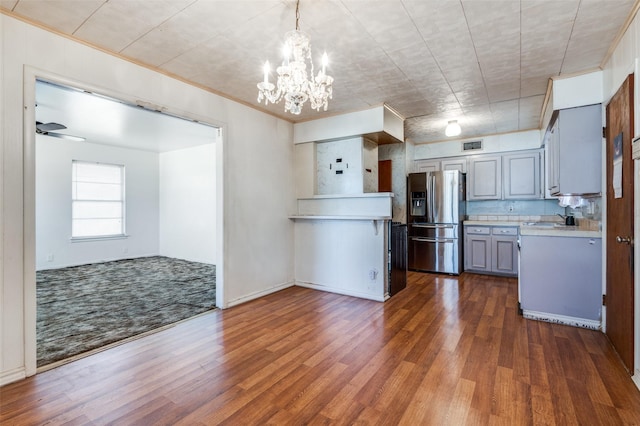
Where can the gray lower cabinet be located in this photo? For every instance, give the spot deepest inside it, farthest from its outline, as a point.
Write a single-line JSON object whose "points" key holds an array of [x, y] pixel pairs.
{"points": [[561, 279], [491, 249]]}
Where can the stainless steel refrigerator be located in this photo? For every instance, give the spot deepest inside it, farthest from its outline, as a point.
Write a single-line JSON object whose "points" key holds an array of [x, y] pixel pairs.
{"points": [[435, 211]]}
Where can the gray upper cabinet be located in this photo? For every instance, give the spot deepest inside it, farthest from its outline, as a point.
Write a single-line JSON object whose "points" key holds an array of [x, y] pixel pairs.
{"points": [[575, 151], [509, 176], [457, 163], [484, 181], [427, 166], [522, 175], [454, 163]]}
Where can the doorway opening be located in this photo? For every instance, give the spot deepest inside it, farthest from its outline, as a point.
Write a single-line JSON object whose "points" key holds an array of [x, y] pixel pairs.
{"points": [[117, 259]]}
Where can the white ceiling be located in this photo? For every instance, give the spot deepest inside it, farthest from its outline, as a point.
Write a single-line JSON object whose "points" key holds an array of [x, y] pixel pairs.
{"points": [[110, 122], [485, 63]]}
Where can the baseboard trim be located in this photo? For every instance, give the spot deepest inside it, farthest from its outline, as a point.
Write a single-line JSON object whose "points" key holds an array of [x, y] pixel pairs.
{"points": [[11, 376], [562, 319], [258, 294], [339, 290], [636, 379]]}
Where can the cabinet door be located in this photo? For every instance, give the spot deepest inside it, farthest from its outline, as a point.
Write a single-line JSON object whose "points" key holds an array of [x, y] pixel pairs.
{"points": [[426, 165], [459, 164], [485, 178], [477, 250], [579, 150], [522, 176], [554, 160], [505, 255]]}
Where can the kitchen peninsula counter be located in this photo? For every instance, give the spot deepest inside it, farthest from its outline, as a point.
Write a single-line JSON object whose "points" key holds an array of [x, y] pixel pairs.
{"points": [[342, 244]]}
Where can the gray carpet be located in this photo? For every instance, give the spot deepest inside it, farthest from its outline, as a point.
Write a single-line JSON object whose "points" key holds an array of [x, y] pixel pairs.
{"points": [[85, 307]]}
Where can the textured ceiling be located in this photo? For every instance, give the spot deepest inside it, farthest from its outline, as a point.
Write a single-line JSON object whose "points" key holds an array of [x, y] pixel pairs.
{"points": [[484, 63]]}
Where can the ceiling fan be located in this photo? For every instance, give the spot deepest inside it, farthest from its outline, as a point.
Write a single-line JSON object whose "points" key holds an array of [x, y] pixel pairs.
{"points": [[46, 130]]}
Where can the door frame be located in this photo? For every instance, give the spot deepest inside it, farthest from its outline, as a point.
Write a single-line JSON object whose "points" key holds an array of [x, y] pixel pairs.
{"points": [[30, 75], [636, 225], [635, 69]]}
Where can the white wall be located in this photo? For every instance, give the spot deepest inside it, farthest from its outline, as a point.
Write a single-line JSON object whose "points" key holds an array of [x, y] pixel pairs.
{"points": [[349, 151], [53, 204], [623, 61], [304, 169], [254, 177], [369, 166], [340, 255], [188, 204]]}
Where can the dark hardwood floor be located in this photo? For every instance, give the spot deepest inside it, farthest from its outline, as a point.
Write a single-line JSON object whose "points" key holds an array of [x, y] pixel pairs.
{"points": [[444, 351]]}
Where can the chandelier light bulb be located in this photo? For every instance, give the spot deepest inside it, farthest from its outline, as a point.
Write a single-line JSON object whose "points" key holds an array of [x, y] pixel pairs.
{"points": [[266, 69], [453, 128], [325, 62]]}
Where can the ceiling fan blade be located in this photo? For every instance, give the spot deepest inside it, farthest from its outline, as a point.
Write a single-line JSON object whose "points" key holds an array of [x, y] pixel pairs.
{"points": [[46, 127], [63, 136]]}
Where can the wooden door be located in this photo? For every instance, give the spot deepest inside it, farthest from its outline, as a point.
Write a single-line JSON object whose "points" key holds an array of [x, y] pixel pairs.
{"points": [[619, 298], [384, 176]]}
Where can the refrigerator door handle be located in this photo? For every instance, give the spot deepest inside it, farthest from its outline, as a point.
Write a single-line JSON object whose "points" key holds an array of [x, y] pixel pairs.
{"points": [[433, 226], [432, 240], [432, 197]]}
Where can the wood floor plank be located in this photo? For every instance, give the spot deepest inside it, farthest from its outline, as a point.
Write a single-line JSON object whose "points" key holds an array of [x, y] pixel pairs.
{"points": [[445, 350]]}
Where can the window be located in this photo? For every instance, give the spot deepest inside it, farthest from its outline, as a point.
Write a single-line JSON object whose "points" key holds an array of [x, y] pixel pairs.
{"points": [[97, 200]]}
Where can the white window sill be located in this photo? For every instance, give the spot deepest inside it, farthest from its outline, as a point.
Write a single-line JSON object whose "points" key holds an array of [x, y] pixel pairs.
{"points": [[99, 238]]}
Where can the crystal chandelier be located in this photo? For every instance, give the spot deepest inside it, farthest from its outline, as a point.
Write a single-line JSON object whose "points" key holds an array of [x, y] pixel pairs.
{"points": [[293, 82]]}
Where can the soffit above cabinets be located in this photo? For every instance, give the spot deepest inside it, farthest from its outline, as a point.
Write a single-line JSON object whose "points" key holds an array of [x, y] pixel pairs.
{"points": [[484, 63]]}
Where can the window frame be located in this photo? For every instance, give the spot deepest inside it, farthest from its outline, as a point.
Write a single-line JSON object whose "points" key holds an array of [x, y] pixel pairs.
{"points": [[122, 234]]}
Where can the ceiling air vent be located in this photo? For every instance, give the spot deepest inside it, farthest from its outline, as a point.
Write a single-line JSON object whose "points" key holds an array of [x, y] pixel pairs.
{"points": [[472, 145]]}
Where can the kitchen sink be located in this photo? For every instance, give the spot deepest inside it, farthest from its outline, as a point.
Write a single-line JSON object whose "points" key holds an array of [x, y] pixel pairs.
{"points": [[541, 224], [544, 224]]}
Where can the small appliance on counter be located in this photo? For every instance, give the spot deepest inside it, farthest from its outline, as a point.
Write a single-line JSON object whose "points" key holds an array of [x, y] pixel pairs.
{"points": [[436, 209], [568, 220]]}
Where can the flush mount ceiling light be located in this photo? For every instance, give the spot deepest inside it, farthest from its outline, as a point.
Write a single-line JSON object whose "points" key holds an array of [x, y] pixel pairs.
{"points": [[453, 128], [294, 85]]}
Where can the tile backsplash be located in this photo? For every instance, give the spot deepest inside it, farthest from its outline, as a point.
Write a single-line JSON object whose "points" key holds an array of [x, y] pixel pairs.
{"points": [[514, 208]]}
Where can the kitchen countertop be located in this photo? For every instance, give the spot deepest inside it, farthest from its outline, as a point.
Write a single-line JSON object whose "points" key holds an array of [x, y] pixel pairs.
{"points": [[559, 230], [490, 223]]}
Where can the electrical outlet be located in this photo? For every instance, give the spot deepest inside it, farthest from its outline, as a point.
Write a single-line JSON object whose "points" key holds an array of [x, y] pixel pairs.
{"points": [[373, 274], [511, 207]]}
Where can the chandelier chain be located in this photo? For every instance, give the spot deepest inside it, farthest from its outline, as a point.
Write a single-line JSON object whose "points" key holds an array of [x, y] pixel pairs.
{"points": [[297, 15]]}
